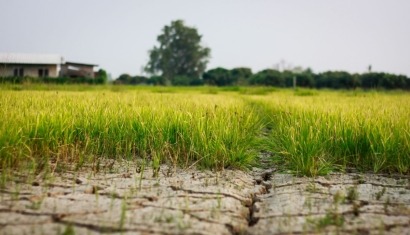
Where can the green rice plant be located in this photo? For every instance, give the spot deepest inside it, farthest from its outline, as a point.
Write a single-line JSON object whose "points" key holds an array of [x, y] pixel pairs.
{"points": [[302, 145], [318, 134], [45, 130], [230, 88], [40, 127], [257, 90], [305, 92], [211, 90]]}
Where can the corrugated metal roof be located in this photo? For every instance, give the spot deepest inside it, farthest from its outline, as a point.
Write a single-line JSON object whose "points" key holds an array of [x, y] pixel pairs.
{"points": [[77, 63], [20, 58]]}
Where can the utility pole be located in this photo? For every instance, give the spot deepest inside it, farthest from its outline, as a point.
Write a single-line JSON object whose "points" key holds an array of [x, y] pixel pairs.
{"points": [[294, 82]]}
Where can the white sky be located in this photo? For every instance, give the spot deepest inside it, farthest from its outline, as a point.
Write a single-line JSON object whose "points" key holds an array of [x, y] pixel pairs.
{"points": [[117, 34]]}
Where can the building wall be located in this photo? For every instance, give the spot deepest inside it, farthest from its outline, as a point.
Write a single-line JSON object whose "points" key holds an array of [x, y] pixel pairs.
{"points": [[30, 70], [77, 70]]}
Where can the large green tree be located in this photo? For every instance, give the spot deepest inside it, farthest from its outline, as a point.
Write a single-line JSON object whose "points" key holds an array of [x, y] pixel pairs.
{"points": [[179, 54]]}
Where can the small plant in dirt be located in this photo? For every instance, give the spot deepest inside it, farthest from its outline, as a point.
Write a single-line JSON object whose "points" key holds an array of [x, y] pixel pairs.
{"points": [[356, 208], [155, 167], [352, 194], [360, 179], [164, 218], [219, 201], [311, 188], [338, 198], [35, 205], [386, 205], [140, 168], [123, 213], [380, 193], [69, 230], [331, 218]]}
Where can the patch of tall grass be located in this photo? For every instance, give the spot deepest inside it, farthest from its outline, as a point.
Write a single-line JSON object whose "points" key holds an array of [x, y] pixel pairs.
{"points": [[309, 132], [314, 135], [183, 129]]}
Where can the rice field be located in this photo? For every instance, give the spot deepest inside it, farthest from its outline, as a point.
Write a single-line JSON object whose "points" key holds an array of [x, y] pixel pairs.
{"points": [[314, 133], [307, 132]]}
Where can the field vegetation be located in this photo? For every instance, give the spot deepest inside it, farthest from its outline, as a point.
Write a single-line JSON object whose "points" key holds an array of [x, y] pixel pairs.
{"points": [[314, 132], [308, 132]]}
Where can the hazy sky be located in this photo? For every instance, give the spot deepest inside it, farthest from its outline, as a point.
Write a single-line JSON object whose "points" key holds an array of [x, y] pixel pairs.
{"points": [[117, 34]]}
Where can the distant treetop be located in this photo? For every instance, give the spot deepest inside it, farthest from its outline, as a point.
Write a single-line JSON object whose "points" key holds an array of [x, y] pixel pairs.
{"points": [[179, 53]]}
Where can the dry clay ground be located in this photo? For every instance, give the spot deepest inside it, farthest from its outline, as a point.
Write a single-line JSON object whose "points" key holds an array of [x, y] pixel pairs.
{"points": [[130, 200]]}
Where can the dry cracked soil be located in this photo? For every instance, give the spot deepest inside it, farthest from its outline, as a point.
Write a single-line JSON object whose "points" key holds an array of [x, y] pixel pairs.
{"points": [[130, 200]]}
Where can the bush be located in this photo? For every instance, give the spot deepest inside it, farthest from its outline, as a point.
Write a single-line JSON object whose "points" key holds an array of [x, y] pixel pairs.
{"points": [[268, 77], [51, 80], [218, 77]]}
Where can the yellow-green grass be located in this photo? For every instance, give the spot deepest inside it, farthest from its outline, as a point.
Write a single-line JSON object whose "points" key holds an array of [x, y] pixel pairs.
{"points": [[309, 132], [324, 131], [183, 129]]}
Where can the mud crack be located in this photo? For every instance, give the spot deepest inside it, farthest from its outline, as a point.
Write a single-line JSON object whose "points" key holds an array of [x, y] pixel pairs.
{"points": [[263, 181]]}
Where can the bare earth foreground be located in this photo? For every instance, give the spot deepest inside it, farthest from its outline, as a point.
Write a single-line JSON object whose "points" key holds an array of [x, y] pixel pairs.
{"points": [[129, 201]]}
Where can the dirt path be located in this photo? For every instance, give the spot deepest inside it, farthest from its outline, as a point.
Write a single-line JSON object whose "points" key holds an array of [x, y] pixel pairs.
{"points": [[129, 200]]}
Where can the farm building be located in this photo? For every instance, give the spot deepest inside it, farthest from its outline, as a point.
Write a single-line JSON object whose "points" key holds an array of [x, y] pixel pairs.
{"points": [[42, 65]]}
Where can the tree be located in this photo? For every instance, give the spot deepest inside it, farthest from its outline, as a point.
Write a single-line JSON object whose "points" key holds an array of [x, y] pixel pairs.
{"points": [[127, 79], [179, 53], [241, 75], [305, 78], [268, 77], [337, 80], [371, 80], [123, 79], [156, 80], [101, 77], [218, 76]]}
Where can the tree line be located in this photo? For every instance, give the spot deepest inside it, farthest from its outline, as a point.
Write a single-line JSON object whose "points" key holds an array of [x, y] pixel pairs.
{"points": [[180, 59], [270, 77]]}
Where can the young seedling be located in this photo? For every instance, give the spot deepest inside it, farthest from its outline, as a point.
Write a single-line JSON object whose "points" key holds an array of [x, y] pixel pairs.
{"points": [[123, 215], [155, 167], [219, 201], [338, 198], [308, 203], [352, 194], [380, 193], [386, 205], [331, 218], [35, 204], [311, 188], [141, 169], [69, 230]]}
